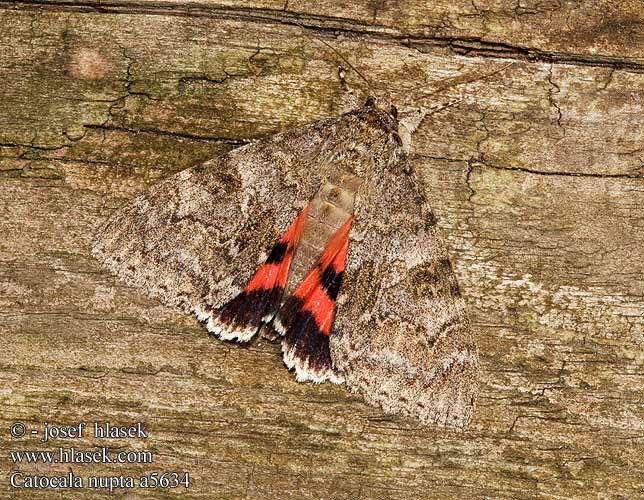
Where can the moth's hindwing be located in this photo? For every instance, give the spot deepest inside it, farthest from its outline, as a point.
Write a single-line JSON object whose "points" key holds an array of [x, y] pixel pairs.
{"points": [[307, 315], [240, 318]]}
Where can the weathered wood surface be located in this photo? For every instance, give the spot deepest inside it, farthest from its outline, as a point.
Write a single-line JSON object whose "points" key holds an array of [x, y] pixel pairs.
{"points": [[537, 179]]}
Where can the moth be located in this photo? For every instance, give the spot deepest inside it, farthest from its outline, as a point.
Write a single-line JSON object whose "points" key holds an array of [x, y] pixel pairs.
{"points": [[320, 237]]}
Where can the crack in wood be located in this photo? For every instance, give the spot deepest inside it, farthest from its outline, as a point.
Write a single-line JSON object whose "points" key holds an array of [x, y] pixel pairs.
{"points": [[474, 46]]}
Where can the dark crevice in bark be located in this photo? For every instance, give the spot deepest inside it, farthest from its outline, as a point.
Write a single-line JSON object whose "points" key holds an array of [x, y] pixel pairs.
{"points": [[469, 46], [221, 140], [566, 174], [480, 164]]}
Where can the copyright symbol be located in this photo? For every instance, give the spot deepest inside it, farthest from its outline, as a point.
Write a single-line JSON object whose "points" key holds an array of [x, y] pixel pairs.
{"points": [[18, 430]]}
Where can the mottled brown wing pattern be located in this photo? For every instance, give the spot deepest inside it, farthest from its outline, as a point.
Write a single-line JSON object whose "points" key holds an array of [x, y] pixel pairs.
{"points": [[195, 239], [401, 337]]}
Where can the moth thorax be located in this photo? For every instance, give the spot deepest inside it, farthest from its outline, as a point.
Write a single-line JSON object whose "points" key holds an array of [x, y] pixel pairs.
{"points": [[356, 161]]}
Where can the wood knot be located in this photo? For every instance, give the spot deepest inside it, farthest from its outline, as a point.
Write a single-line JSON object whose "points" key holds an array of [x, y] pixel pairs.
{"points": [[87, 64]]}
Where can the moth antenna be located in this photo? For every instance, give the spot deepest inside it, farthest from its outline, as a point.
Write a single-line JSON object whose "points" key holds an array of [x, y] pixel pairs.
{"points": [[339, 54], [464, 80], [411, 120], [336, 52]]}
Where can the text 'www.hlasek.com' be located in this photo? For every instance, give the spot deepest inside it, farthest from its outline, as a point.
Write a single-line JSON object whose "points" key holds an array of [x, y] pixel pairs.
{"points": [[60, 464]]}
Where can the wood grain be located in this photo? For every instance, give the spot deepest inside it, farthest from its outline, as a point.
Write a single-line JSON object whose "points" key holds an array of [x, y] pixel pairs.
{"points": [[536, 178]]}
